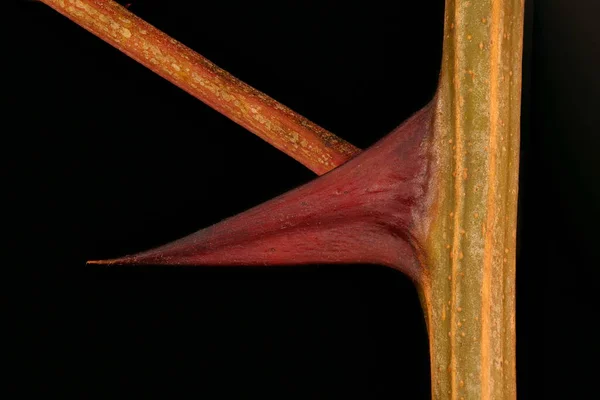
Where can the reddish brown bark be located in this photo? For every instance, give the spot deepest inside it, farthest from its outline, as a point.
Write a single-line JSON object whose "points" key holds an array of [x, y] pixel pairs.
{"points": [[305, 141]]}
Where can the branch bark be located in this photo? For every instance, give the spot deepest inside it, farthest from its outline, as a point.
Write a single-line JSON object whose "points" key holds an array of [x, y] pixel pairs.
{"points": [[308, 143]]}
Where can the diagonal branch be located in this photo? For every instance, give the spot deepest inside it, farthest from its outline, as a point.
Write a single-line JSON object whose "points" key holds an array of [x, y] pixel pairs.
{"points": [[308, 143]]}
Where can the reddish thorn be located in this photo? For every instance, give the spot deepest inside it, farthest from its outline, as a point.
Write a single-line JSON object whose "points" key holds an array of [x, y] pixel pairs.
{"points": [[368, 210]]}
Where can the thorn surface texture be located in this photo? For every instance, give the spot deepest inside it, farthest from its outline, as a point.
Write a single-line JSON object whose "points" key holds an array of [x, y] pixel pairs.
{"points": [[367, 211]]}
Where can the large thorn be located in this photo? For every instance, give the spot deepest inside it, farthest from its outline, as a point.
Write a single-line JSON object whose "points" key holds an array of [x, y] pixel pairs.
{"points": [[366, 211]]}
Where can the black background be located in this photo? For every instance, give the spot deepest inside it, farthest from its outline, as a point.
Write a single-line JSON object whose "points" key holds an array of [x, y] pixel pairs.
{"points": [[102, 158]]}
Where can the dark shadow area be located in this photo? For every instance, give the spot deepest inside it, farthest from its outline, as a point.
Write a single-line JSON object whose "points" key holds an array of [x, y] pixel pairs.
{"points": [[559, 197], [107, 159]]}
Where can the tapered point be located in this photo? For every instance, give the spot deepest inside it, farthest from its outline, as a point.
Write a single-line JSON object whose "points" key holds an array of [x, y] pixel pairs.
{"points": [[101, 262], [366, 211]]}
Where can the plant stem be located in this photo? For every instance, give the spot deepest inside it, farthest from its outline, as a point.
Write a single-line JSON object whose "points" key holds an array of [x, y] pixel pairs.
{"points": [[311, 145], [466, 234], [469, 291]]}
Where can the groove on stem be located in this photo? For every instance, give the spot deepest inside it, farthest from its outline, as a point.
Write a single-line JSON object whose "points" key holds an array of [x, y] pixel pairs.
{"points": [[469, 295]]}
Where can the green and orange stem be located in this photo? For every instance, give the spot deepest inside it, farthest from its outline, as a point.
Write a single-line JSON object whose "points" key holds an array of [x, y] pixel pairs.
{"points": [[436, 198], [305, 141], [469, 293]]}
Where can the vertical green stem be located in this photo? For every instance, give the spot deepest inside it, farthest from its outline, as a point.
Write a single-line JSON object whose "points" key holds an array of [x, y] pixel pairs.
{"points": [[469, 293]]}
